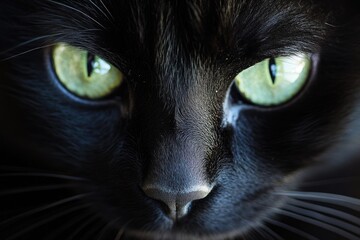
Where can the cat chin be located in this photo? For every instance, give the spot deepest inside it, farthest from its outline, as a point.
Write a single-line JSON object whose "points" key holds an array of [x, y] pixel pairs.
{"points": [[177, 235], [185, 229], [185, 233], [147, 221]]}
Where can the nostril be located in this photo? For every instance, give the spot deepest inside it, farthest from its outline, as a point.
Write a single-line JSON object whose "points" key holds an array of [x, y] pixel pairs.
{"points": [[166, 198], [177, 202]]}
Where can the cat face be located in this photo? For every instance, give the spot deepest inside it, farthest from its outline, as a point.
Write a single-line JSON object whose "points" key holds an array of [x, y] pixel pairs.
{"points": [[176, 150]]}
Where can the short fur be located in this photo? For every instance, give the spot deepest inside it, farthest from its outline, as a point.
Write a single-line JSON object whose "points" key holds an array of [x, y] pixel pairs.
{"points": [[169, 123]]}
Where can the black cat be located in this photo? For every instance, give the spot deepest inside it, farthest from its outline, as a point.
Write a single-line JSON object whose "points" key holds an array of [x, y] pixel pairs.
{"points": [[179, 119]]}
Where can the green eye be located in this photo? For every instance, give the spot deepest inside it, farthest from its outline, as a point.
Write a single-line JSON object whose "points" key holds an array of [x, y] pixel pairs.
{"points": [[274, 81], [85, 74]]}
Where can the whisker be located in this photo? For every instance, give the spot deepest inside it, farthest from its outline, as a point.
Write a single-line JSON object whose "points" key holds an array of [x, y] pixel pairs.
{"points": [[49, 175], [317, 223], [253, 235], [83, 226], [28, 51], [292, 229], [339, 200], [93, 231], [106, 227], [46, 207], [120, 234], [271, 233], [327, 210], [263, 233], [34, 40], [329, 182], [70, 224], [30, 41], [17, 168], [105, 15], [77, 10], [107, 9], [315, 215], [121, 231], [35, 189], [47, 220]]}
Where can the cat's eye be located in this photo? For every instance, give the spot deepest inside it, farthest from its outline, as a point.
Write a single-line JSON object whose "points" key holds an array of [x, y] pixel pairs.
{"points": [[84, 74], [274, 81]]}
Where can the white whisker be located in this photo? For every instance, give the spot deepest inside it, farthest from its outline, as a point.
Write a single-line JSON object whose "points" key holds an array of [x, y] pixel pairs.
{"points": [[271, 232], [107, 9], [106, 227], [318, 223], [77, 10], [43, 208], [96, 6], [327, 210], [329, 181], [321, 217], [67, 226], [30, 41], [292, 229], [263, 233], [325, 197], [35, 189], [82, 227], [120, 234], [28, 51], [121, 231], [49, 175], [253, 236], [45, 221]]}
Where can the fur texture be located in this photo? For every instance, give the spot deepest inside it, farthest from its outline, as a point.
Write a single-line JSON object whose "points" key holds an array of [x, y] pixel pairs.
{"points": [[167, 124]]}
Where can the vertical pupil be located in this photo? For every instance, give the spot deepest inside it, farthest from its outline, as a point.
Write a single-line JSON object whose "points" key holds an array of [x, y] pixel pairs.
{"points": [[90, 63], [272, 69]]}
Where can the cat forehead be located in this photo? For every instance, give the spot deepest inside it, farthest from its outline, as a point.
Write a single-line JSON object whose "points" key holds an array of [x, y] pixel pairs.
{"points": [[247, 27], [185, 42]]}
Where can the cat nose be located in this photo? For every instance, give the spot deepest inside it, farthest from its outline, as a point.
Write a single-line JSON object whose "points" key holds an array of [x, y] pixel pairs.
{"points": [[178, 203]]}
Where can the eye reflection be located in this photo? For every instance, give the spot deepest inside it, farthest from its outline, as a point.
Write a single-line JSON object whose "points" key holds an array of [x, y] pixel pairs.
{"points": [[84, 74], [274, 81]]}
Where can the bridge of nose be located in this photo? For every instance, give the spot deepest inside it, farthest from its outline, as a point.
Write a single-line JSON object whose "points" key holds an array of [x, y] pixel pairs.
{"points": [[177, 166], [177, 176]]}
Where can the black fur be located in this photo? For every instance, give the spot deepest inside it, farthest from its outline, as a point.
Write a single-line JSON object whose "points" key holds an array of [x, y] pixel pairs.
{"points": [[167, 123]]}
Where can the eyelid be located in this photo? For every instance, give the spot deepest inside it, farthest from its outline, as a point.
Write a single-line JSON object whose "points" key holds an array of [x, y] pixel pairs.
{"points": [[68, 96], [311, 76]]}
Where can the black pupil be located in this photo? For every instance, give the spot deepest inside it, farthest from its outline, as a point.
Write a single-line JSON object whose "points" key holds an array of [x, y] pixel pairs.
{"points": [[90, 63], [272, 69]]}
